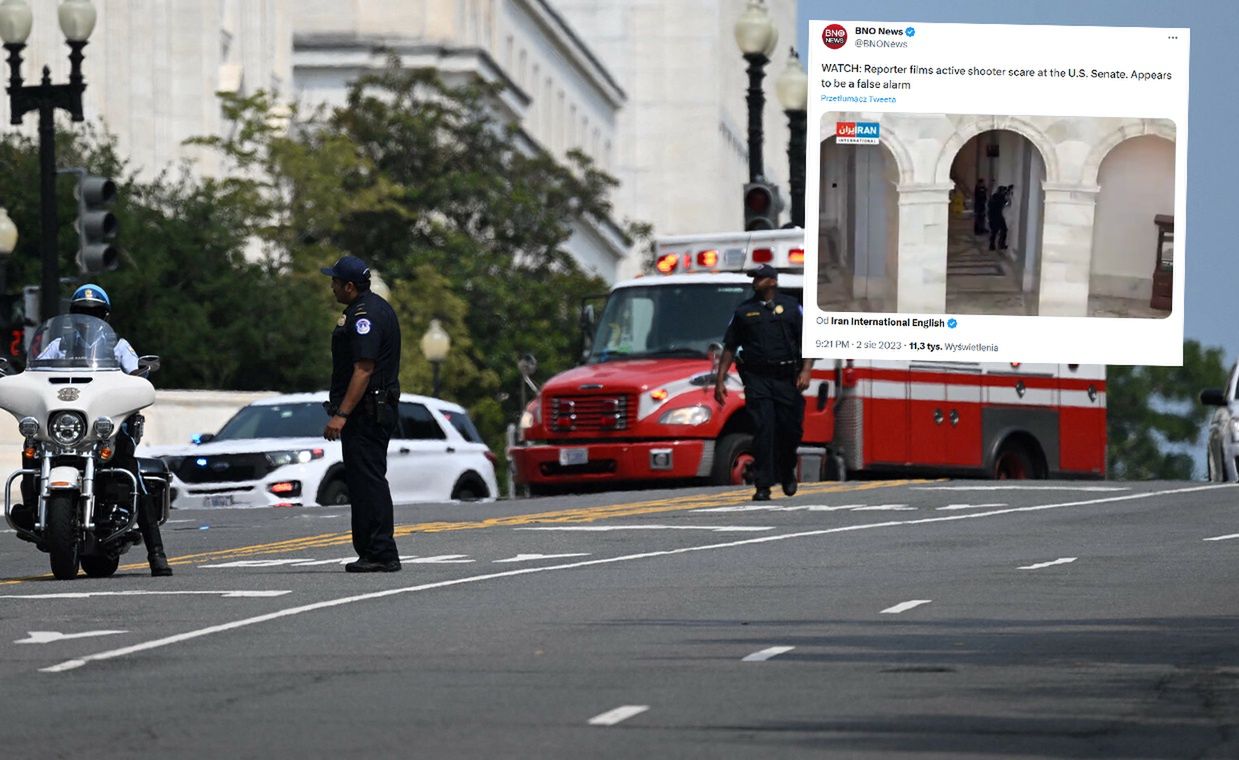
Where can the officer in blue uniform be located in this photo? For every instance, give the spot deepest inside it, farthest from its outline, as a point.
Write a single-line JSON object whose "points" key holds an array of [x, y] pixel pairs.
{"points": [[365, 391], [763, 338]]}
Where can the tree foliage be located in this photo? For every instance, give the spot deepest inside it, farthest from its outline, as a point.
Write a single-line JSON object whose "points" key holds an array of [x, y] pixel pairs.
{"points": [[1154, 417]]}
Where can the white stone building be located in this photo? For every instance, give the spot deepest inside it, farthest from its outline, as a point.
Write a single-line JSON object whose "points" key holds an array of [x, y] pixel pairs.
{"points": [[1082, 232], [559, 93], [152, 69], [682, 152]]}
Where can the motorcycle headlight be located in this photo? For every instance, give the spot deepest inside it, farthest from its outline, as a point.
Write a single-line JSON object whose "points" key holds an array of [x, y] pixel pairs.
{"points": [[301, 456], [1234, 430], [104, 427], [689, 415], [67, 428], [28, 427]]}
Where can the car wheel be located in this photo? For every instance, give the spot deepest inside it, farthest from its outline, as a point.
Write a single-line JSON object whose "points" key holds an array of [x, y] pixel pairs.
{"points": [[335, 493], [468, 489]]}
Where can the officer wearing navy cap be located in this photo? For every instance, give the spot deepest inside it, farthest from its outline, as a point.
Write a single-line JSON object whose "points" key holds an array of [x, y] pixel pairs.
{"points": [[763, 338], [365, 391]]}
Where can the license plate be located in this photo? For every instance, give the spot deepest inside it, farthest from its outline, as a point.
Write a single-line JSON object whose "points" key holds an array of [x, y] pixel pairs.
{"points": [[573, 456], [223, 500]]}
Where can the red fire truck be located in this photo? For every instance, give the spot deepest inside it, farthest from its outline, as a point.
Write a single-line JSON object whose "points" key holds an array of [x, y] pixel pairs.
{"points": [[641, 407]]}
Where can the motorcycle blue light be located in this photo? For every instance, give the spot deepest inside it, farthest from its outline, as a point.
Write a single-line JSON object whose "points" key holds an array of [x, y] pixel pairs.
{"points": [[200, 462]]}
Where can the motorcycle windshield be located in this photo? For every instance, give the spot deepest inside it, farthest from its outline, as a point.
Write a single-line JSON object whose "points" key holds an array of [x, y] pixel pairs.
{"points": [[73, 341]]}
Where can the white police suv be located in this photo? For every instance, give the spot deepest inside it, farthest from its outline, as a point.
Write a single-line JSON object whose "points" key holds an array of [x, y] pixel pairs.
{"points": [[272, 453]]}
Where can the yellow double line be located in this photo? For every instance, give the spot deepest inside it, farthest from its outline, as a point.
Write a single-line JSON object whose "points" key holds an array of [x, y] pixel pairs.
{"points": [[576, 515]]}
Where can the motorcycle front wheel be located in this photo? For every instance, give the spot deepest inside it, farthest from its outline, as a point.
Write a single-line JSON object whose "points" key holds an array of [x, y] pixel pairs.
{"points": [[61, 535]]}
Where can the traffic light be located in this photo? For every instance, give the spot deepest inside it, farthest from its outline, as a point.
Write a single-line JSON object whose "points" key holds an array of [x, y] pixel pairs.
{"points": [[96, 224], [761, 206]]}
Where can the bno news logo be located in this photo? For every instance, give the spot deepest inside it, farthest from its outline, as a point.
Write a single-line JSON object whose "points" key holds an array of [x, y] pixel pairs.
{"points": [[857, 132], [835, 36]]}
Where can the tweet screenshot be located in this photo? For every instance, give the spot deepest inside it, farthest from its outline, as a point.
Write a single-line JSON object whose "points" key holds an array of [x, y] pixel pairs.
{"points": [[996, 193]]}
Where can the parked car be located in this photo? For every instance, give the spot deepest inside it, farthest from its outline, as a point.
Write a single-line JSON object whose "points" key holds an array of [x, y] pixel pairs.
{"points": [[272, 453], [1223, 442]]}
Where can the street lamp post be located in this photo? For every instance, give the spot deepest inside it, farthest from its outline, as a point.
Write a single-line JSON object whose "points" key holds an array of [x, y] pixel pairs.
{"points": [[792, 87], [756, 36], [8, 242], [77, 21], [435, 345]]}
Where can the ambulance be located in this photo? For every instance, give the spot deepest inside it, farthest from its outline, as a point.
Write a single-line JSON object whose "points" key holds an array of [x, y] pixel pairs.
{"points": [[640, 408]]}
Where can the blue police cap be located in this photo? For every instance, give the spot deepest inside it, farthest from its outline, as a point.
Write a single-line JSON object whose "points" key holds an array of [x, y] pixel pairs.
{"points": [[764, 270], [348, 269]]}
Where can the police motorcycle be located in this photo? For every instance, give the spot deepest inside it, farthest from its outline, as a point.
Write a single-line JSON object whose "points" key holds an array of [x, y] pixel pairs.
{"points": [[71, 403]]}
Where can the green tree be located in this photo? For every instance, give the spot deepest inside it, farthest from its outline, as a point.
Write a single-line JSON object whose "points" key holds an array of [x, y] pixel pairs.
{"points": [[448, 203], [1154, 414]]}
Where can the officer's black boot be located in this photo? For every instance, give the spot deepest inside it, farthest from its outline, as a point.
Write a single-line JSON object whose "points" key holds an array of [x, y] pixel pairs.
{"points": [[148, 524]]}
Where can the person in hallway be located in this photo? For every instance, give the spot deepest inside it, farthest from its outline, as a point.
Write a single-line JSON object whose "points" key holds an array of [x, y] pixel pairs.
{"points": [[997, 220], [980, 198]]}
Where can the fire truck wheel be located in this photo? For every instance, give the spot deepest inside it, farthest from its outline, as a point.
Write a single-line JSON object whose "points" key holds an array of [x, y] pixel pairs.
{"points": [[733, 460], [1015, 462]]}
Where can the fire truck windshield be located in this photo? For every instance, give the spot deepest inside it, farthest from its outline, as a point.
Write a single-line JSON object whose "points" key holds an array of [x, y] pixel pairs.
{"points": [[665, 320]]}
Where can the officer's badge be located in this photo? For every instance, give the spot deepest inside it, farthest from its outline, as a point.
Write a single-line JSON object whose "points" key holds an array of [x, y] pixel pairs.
{"points": [[341, 321], [778, 309], [363, 326]]}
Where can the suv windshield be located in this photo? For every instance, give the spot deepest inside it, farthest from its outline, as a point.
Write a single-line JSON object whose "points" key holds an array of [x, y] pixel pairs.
{"points": [[299, 420], [73, 341], [666, 320]]}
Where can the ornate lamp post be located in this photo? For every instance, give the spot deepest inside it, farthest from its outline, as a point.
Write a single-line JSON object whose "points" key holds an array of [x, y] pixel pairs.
{"points": [[756, 36], [77, 21], [435, 345], [792, 87]]}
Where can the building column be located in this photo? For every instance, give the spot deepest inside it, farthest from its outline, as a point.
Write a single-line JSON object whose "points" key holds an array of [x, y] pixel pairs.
{"points": [[1067, 249], [923, 215]]}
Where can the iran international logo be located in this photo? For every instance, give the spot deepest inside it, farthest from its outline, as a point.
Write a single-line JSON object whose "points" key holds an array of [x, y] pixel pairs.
{"points": [[835, 36]]}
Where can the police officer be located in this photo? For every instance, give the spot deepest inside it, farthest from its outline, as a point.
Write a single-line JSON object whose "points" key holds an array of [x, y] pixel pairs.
{"points": [[997, 220], [365, 366], [92, 300], [764, 339]]}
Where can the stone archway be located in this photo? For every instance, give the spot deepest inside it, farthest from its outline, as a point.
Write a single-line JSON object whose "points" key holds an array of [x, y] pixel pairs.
{"points": [[989, 271], [1136, 178]]}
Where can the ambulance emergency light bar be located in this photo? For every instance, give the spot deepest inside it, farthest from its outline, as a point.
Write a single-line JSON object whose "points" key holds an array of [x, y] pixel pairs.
{"points": [[782, 249]]}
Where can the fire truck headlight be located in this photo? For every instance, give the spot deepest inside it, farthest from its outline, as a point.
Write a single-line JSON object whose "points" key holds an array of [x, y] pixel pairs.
{"points": [[689, 415], [532, 415], [1234, 431]]}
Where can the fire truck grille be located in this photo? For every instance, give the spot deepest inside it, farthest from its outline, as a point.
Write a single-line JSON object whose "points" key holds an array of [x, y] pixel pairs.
{"points": [[591, 413]]}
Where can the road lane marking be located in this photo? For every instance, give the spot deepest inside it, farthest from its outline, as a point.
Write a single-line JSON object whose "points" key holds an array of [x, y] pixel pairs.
{"points": [[1021, 488], [777, 508], [950, 507], [579, 514], [611, 717], [88, 594], [48, 637], [766, 654], [1223, 538], [331, 603], [886, 508], [531, 557], [606, 528], [1059, 561], [905, 606]]}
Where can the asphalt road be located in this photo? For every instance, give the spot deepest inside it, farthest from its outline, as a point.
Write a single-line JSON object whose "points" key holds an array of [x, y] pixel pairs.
{"points": [[864, 620]]}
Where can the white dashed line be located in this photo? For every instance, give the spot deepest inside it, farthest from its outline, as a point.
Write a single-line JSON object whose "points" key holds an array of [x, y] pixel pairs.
{"points": [[1223, 538], [766, 654], [1059, 561], [531, 557], [233, 625], [48, 637], [611, 717], [89, 594], [950, 507], [905, 606], [1020, 488]]}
